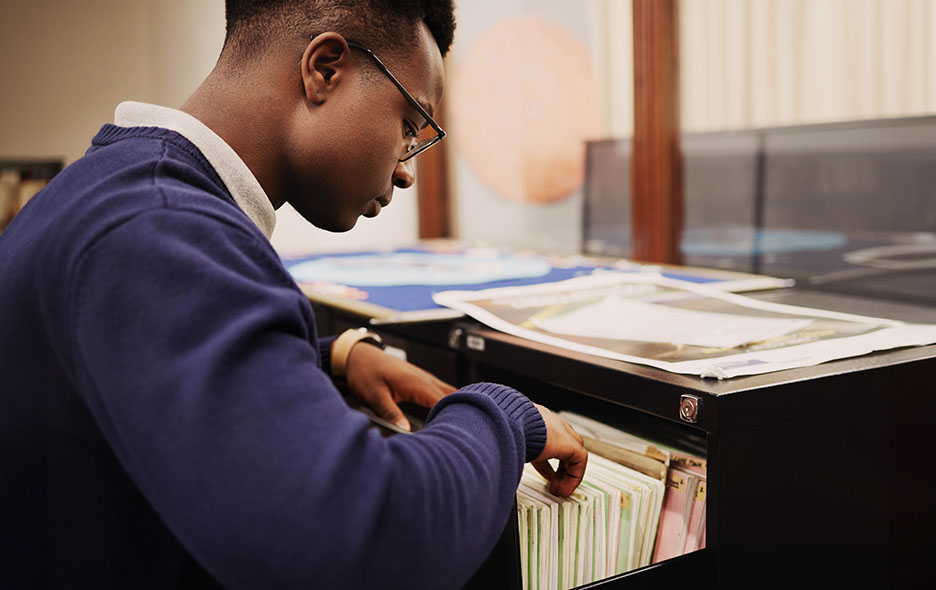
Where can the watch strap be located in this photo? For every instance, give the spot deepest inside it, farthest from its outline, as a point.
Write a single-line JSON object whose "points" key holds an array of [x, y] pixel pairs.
{"points": [[341, 348]]}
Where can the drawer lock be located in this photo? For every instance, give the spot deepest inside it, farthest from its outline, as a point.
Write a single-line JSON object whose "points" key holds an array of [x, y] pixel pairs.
{"points": [[689, 407]]}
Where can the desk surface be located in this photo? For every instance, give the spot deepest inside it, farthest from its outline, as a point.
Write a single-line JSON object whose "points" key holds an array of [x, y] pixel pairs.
{"points": [[372, 283]]}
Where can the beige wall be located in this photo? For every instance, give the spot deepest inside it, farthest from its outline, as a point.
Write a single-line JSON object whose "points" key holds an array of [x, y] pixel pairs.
{"points": [[66, 64], [616, 65]]}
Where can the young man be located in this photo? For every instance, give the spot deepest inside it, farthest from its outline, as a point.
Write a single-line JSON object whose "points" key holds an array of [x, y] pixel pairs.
{"points": [[168, 414]]}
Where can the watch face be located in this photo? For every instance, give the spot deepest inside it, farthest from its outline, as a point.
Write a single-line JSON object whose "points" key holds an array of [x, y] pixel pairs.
{"points": [[375, 340], [372, 338]]}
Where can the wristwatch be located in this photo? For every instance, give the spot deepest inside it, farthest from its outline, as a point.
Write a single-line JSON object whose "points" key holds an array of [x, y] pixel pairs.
{"points": [[341, 348]]}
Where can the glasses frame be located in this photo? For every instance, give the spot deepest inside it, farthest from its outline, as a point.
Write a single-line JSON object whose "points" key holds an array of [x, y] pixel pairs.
{"points": [[419, 147]]}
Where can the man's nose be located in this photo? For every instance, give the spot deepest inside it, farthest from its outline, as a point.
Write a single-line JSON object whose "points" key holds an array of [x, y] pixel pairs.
{"points": [[404, 175]]}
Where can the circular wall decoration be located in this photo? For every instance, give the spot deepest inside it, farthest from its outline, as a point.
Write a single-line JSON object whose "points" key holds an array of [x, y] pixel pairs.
{"points": [[524, 100]]}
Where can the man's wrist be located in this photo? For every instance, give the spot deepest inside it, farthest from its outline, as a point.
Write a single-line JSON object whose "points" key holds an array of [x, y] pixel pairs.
{"points": [[341, 348]]}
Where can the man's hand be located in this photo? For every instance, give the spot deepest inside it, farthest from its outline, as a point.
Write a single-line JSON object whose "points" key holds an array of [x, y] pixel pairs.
{"points": [[564, 444], [381, 381]]}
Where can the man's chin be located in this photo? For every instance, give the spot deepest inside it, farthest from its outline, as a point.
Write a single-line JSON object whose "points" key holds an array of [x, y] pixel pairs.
{"points": [[340, 229], [333, 227]]}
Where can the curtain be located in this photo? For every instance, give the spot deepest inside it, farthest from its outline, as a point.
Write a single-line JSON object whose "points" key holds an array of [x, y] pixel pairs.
{"points": [[758, 63]]}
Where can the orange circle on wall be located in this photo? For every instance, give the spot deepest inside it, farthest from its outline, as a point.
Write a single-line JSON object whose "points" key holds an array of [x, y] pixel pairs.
{"points": [[524, 100]]}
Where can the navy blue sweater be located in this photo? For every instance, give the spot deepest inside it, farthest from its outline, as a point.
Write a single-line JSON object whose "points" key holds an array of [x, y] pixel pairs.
{"points": [[165, 420]]}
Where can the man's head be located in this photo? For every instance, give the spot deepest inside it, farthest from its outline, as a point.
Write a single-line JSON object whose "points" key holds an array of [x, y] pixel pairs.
{"points": [[341, 123], [382, 25]]}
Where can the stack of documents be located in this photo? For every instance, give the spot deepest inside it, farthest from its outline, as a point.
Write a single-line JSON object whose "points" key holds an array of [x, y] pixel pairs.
{"points": [[682, 521], [607, 527], [639, 503], [619, 446]]}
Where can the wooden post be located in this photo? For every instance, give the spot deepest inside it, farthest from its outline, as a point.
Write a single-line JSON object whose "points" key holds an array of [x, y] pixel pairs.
{"points": [[432, 186], [656, 167]]}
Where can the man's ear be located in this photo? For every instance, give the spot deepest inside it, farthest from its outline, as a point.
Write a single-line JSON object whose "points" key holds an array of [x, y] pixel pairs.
{"points": [[323, 65]]}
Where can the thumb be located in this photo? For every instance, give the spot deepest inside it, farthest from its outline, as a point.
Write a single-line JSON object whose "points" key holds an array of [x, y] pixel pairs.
{"points": [[383, 405]]}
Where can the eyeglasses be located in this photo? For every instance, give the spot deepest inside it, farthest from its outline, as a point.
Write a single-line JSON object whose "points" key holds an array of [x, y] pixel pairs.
{"points": [[424, 136]]}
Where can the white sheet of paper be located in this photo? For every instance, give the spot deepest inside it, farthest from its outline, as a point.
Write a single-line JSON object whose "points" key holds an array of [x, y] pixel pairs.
{"points": [[619, 318]]}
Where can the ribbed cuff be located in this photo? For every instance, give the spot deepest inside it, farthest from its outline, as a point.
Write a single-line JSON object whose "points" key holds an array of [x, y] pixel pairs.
{"points": [[519, 408], [325, 346]]}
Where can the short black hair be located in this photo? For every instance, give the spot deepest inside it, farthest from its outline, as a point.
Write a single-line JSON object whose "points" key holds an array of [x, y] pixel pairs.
{"points": [[382, 25]]}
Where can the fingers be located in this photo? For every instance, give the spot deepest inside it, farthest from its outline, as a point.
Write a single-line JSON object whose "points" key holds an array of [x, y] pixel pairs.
{"points": [[564, 480], [568, 476], [443, 387], [369, 366], [380, 401], [384, 406], [419, 386], [566, 445], [543, 467]]}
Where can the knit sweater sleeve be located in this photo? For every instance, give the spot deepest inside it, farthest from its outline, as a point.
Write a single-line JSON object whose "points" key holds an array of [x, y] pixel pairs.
{"points": [[197, 357], [324, 347], [530, 430]]}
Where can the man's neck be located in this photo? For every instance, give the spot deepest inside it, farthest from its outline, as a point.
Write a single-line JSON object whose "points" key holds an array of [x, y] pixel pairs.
{"points": [[246, 119]]}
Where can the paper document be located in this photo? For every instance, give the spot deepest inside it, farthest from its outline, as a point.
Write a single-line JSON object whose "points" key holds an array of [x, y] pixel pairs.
{"points": [[680, 326], [617, 520], [618, 318], [606, 527]]}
